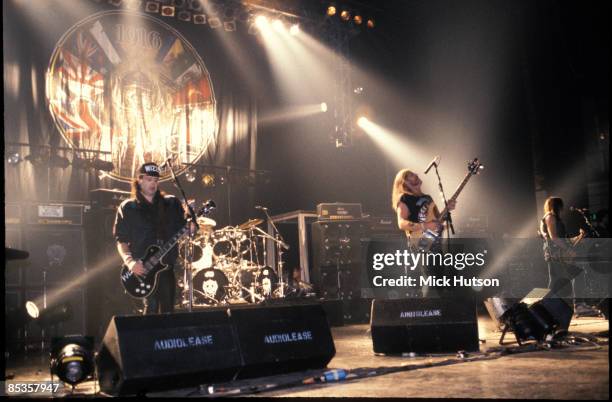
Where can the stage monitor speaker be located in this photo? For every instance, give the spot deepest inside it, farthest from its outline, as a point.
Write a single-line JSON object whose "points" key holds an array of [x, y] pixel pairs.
{"points": [[140, 354], [281, 339], [435, 325], [549, 308]]}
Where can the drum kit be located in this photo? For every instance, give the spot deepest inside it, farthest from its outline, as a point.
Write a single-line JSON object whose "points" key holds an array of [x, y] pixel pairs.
{"points": [[227, 265]]}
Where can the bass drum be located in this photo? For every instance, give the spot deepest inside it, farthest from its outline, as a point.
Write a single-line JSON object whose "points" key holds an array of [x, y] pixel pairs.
{"points": [[209, 286], [267, 282]]}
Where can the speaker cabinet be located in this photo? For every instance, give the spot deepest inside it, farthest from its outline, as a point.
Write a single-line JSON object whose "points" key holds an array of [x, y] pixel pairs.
{"points": [[149, 353], [436, 325], [55, 251]]}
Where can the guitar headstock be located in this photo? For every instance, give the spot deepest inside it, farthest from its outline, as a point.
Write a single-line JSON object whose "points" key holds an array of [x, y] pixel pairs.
{"points": [[474, 166], [206, 208]]}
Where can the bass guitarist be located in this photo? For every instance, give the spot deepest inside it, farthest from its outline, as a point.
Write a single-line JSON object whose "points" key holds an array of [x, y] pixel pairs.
{"points": [[149, 217], [416, 211]]}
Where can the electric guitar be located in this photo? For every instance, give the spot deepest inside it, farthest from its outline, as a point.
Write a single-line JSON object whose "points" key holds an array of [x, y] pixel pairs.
{"points": [[429, 237], [142, 286]]}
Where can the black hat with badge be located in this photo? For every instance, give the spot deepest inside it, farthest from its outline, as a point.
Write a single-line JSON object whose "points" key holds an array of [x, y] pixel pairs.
{"points": [[149, 169]]}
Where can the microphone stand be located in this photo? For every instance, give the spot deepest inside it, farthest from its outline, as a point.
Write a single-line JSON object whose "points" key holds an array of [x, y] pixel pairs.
{"points": [[280, 243], [189, 253], [449, 227]]}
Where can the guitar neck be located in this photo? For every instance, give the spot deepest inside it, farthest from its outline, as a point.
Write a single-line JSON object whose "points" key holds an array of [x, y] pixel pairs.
{"points": [[456, 194], [163, 250]]}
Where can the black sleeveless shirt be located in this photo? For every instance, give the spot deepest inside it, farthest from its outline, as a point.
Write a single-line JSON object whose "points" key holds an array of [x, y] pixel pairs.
{"points": [[418, 205]]}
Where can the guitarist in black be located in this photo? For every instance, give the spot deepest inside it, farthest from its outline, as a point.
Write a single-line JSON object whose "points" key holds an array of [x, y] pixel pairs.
{"points": [[416, 211], [149, 217], [558, 249]]}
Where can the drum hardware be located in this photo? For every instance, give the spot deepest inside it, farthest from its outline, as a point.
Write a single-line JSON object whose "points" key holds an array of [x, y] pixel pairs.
{"points": [[226, 268], [251, 223]]}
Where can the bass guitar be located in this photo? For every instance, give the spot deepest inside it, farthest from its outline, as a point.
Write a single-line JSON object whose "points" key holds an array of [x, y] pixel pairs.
{"points": [[143, 286], [429, 237]]}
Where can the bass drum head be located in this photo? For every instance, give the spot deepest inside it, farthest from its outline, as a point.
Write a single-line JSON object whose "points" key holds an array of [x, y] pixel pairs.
{"points": [[267, 282], [209, 286], [206, 257]]}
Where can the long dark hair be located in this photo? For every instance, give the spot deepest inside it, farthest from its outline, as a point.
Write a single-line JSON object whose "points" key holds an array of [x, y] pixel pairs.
{"points": [[158, 198]]}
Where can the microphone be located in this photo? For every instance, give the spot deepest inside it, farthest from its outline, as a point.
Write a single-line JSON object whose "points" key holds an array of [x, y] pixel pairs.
{"points": [[581, 210], [435, 161], [260, 207]]}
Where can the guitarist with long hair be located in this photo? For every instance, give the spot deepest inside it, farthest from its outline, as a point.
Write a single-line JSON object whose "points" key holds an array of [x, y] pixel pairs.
{"points": [[149, 217], [558, 248], [416, 212]]}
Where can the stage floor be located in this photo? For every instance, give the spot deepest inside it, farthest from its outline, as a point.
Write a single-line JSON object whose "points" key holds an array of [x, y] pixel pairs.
{"points": [[572, 372]]}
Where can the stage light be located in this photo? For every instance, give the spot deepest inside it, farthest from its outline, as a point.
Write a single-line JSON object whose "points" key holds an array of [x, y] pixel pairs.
{"points": [[323, 107], [152, 6], [178, 3], [115, 3], [58, 161], [199, 19], [102, 165], [362, 121], [32, 310], [278, 25], [190, 175], [358, 90], [214, 22], [371, 24], [358, 19], [50, 316], [167, 11], [72, 358], [13, 158], [208, 180], [261, 21], [229, 26], [331, 10], [295, 29], [345, 15]]}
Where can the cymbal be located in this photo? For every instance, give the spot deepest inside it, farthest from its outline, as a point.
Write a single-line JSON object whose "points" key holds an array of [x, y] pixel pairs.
{"points": [[250, 223], [204, 221]]}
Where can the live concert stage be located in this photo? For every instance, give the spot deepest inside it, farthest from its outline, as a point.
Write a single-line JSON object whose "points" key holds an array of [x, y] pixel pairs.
{"points": [[347, 198], [576, 371]]}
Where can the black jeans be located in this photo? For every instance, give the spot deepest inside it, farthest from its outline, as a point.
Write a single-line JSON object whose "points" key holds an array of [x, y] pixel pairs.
{"points": [[162, 300]]}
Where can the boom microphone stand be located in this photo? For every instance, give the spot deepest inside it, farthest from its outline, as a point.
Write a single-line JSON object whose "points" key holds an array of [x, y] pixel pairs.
{"points": [[449, 227], [189, 255], [280, 244]]}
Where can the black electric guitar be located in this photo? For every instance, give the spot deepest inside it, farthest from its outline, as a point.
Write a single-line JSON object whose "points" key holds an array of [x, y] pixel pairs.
{"points": [[429, 237], [143, 286]]}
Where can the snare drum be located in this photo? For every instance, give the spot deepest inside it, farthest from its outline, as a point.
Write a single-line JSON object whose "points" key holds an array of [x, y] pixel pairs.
{"points": [[209, 286]]}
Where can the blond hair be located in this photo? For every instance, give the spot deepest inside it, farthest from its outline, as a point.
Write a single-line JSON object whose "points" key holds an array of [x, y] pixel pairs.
{"points": [[399, 187]]}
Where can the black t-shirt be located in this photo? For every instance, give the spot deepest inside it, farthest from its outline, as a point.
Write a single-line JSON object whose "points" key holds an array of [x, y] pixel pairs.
{"points": [[136, 223], [418, 206]]}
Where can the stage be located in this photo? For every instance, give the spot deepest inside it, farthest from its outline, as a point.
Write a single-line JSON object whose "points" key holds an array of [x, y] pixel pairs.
{"points": [[571, 372]]}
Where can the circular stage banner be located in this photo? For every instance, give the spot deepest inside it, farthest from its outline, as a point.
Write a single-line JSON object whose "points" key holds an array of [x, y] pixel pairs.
{"points": [[131, 85]]}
